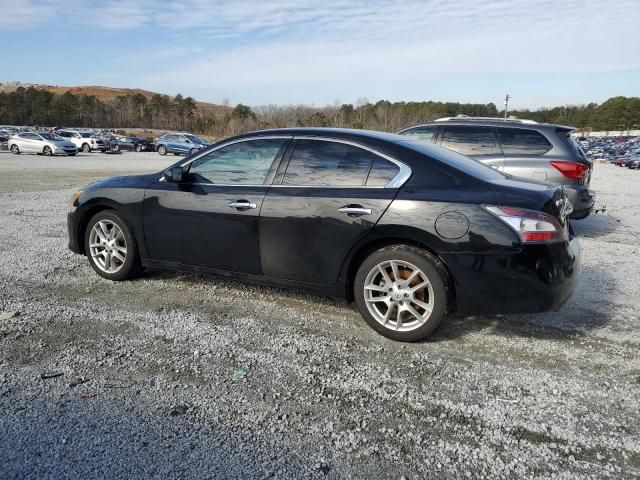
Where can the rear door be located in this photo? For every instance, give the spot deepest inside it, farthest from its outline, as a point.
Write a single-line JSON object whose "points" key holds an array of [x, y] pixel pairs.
{"points": [[477, 142], [326, 196]]}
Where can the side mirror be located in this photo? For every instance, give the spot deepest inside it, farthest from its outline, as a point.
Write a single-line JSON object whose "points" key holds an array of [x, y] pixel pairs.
{"points": [[174, 174]]}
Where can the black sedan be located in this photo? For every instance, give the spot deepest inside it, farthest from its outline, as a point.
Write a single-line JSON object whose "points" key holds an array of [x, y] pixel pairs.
{"points": [[130, 143], [408, 230]]}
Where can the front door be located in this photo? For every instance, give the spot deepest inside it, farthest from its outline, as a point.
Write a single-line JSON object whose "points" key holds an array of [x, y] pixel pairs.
{"points": [[211, 219]]}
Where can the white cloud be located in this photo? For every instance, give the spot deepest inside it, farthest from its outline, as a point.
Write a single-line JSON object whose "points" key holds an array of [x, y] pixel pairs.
{"points": [[340, 46], [24, 14]]}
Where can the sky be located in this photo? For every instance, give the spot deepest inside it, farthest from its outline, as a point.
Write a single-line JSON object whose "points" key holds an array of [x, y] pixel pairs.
{"points": [[258, 52]]}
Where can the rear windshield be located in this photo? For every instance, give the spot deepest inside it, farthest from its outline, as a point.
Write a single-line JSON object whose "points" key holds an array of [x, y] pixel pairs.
{"points": [[467, 165]]}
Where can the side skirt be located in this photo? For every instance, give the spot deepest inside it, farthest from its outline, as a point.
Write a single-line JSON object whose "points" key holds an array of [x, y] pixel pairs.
{"points": [[334, 291]]}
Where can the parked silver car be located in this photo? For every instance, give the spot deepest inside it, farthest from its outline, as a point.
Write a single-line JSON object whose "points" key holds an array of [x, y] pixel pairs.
{"points": [[522, 148], [43, 143]]}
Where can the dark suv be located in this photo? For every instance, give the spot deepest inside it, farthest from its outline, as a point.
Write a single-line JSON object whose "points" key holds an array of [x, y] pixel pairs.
{"points": [[522, 148]]}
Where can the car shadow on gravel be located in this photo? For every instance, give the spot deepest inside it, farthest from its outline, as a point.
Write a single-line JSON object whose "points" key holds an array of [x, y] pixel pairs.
{"points": [[598, 225], [587, 310]]}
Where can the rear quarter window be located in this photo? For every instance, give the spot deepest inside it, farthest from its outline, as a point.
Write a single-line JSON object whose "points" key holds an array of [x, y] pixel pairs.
{"points": [[523, 141]]}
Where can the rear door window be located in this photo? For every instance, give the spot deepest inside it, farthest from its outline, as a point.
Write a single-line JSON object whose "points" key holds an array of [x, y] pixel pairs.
{"points": [[470, 140], [523, 141], [327, 163]]}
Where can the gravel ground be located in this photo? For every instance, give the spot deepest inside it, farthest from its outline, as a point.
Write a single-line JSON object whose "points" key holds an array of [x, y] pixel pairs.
{"points": [[188, 376]]}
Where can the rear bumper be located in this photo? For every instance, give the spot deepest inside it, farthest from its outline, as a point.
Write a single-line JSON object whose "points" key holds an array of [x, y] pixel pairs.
{"points": [[537, 278], [582, 199]]}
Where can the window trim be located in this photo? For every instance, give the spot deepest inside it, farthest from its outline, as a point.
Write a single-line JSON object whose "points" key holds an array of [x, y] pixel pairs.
{"points": [[400, 179]]}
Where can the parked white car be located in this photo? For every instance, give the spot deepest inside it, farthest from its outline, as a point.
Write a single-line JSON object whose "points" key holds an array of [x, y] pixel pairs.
{"points": [[44, 143], [85, 141]]}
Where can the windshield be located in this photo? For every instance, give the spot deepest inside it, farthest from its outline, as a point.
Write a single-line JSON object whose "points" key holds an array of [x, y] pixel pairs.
{"points": [[51, 136], [195, 139], [86, 134]]}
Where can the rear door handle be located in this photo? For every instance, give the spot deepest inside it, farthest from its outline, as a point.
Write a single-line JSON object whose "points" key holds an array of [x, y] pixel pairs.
{"points": [[242, 205], [355, 210]]}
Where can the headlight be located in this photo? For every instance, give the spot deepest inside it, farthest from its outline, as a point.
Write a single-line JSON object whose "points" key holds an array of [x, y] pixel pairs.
{"points": [[75, 198]]}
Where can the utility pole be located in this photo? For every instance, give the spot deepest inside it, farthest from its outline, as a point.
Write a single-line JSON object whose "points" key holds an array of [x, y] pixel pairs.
{"points": [[506, 105]]}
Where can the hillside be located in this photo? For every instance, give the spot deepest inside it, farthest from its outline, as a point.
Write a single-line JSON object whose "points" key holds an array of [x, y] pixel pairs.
{"points": [[106, 94]]}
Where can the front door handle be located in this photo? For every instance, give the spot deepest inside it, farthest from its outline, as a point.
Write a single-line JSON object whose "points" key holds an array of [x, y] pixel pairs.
{"points": [[355, 210], [242, 204]]}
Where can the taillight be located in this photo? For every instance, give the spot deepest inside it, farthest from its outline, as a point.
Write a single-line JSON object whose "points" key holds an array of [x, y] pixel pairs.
{"points": [[573, 170], [531, 226]]}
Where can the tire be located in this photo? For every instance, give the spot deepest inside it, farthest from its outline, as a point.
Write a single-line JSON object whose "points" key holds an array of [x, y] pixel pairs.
{"points": [[162, 150], [415, 266], [46, 151], [86, 148], [116, 148], [120, 270], [138, 148], [192, 151], [15, 150]]}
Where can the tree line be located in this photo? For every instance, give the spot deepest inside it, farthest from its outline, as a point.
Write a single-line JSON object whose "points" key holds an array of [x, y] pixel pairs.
{"points": [[38, 107]]}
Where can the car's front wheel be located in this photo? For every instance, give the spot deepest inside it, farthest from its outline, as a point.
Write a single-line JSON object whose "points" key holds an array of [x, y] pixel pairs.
{"points": [[138, 148], [162, 150], [86, 148], [111, 246], [14, 149], [401, 291]]}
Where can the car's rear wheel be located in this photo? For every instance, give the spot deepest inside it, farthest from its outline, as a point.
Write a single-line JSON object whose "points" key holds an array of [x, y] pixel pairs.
{"points": [[138, 148], [111, 247], [116, 148], [15, 150], [46, 151], [86, 148], [162, 150], [401, 292]]}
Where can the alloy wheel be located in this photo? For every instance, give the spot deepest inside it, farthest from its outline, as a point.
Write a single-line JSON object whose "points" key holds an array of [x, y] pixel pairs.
{"points": [[398, 295], [108, 246], [14, 149], [46, 151]]}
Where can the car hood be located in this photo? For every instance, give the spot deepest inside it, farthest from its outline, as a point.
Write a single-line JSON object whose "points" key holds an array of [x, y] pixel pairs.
{"points": [[129, 181]]}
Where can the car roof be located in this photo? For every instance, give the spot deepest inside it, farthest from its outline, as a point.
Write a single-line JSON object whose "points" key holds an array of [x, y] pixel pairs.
{"points": [[491, 122], [364, 136]]}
